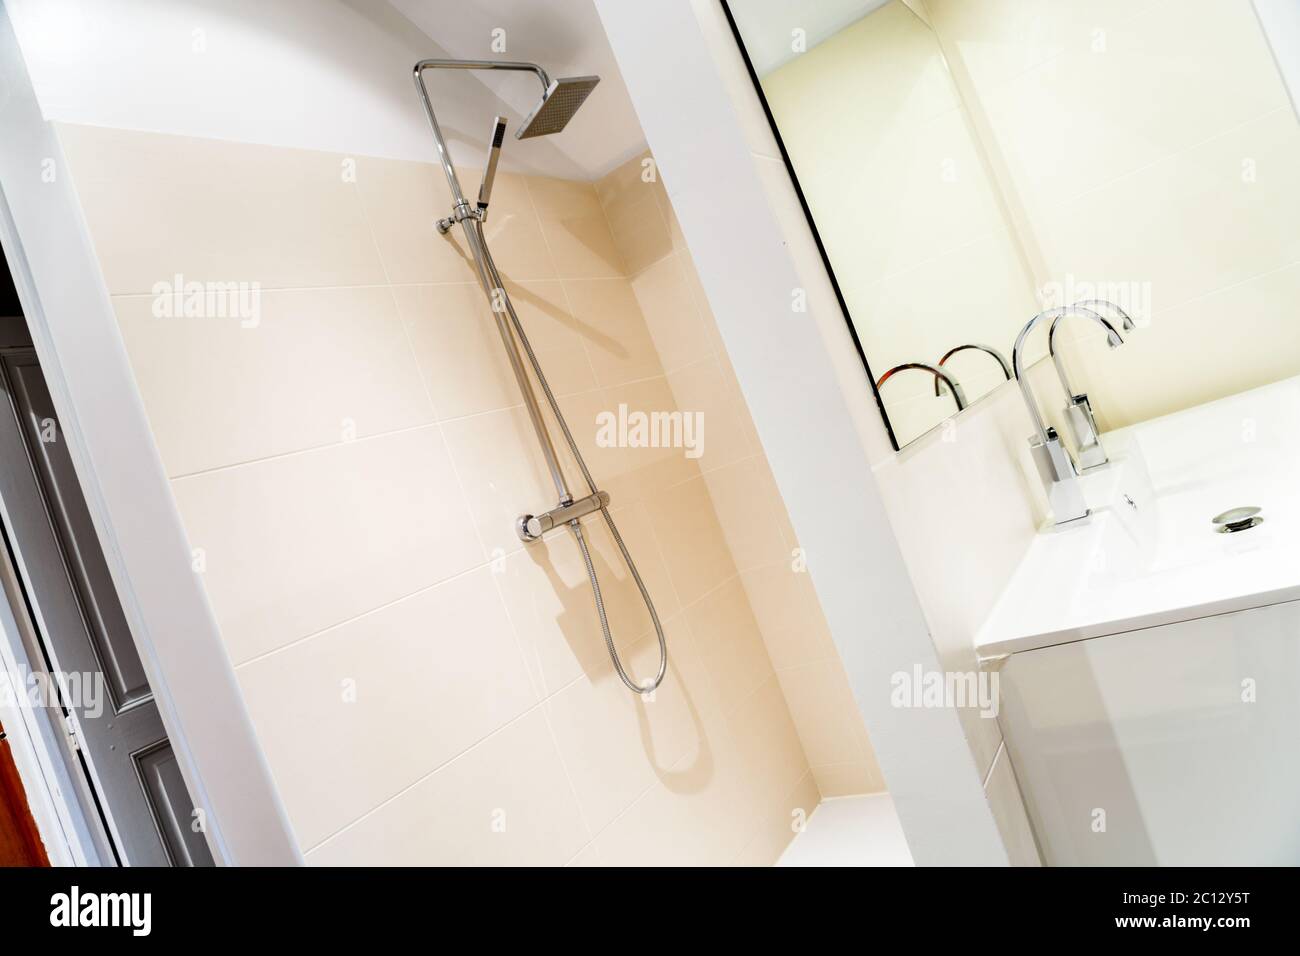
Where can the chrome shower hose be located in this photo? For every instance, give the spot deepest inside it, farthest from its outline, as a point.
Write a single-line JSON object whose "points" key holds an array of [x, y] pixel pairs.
{"points": [[503, 299]]}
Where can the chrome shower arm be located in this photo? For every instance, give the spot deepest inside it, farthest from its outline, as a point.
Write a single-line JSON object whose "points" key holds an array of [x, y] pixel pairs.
{"points": [[458, 196]]}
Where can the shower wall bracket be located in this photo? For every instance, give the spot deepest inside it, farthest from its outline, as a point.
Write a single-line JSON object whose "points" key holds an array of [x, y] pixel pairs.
{"points": [[461, 213], [532, 527]]}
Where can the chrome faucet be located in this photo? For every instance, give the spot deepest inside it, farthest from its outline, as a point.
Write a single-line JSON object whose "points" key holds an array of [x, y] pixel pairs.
{"points": [[1055, 467], [1001, 360], [1078, 409], [1098, 305], [939, 374]]}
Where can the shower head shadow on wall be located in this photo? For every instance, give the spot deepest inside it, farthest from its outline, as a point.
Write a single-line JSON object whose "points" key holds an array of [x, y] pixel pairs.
{"points": [[560, 100]]}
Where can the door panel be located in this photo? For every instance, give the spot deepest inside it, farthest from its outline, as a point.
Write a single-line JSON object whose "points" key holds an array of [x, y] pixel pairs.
{"points": [[84, 631]]}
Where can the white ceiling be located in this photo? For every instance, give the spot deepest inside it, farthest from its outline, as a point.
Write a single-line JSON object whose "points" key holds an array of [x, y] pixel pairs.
{"points": [[330, 75], [567, 39], [767, 25]]}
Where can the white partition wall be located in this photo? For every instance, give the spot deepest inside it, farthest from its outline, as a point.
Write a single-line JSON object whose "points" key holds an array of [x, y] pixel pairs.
{"points": [[794, 383], [80, 348]]}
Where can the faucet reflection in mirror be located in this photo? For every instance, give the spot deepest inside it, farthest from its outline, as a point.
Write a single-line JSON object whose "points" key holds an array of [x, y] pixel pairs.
{"points": [[941, 378], [1001, 360]]}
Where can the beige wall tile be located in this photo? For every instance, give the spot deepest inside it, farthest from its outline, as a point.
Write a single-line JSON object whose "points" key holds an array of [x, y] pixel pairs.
{"points": [[555, 334], [731, 644], [501, 468], [624, 186], [575, 228], [691, 539], [671, 313], [617, 340], [639, 471], [402, 200], [319, 366], [770, 842], [786, 606], [216, 211], [547, 594], [615, 744], [706, 388], [401, 691], [700, 814], [768, 741], [747, 504], [848, 779], [521, 247], [632, 470], [391, 560], [505, 802], [458, 348], [589, 855], [824, 712], [294, 545], [639, 229]]}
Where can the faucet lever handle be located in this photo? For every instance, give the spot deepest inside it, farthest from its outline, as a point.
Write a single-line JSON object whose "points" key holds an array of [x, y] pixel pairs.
{"points": [[1083, 429]]}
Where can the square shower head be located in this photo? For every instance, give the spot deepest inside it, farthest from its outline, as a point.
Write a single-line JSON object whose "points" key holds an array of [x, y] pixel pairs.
{"points": [[560, 101]]}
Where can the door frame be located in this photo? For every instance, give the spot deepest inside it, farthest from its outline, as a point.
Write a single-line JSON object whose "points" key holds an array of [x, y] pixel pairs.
{"points": [[75, 333], [53, 786]]}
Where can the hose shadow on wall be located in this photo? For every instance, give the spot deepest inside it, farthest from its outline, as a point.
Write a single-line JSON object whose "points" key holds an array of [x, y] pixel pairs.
{"points": [[578, 623]]}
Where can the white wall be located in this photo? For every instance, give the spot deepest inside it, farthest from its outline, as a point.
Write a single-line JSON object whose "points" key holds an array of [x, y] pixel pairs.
{"points": [[791, 378], [332, 75], [84, 362]]}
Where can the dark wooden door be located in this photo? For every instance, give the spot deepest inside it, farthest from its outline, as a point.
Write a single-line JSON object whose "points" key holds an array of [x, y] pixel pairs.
{"points": [[20, 843]]}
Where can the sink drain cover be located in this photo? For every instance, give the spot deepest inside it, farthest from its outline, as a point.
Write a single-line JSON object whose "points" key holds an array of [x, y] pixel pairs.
{"points": [[1238, 519]]}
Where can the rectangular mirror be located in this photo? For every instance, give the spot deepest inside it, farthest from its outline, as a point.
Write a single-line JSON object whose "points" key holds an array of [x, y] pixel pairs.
{"points": [[968, 164]]}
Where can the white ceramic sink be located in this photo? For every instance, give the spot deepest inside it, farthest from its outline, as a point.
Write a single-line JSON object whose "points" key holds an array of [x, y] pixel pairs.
{"points": [[1150, 555]]}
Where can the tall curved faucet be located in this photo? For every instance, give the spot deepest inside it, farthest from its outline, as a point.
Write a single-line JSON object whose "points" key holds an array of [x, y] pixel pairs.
{"points": [[1126, 323], [1078, 409], [1006, 369], [939, 374], [1055, 467], [1112, 339]]}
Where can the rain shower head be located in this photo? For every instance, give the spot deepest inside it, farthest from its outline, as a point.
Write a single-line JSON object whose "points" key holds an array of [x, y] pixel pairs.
{"points": [[560, 101]]}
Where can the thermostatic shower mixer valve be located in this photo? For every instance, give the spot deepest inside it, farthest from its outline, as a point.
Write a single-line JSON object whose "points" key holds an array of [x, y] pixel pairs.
{"points": [[532, 527]]}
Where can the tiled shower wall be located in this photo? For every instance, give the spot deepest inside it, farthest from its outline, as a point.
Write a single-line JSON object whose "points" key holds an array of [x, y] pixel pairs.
{"points": [[754, 523], [348, 454]]}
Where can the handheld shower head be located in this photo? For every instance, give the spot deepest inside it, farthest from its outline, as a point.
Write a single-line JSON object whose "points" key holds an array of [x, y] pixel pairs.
{"points": [[559, 102]]}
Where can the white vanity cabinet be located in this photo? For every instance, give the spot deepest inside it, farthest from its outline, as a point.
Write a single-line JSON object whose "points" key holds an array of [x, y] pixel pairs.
{"points": [[1175, 745]]}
